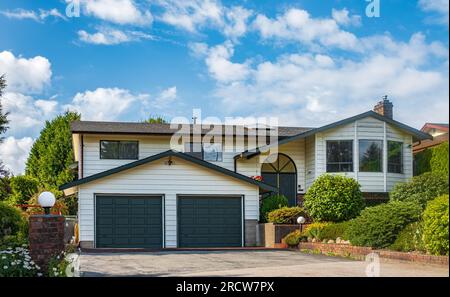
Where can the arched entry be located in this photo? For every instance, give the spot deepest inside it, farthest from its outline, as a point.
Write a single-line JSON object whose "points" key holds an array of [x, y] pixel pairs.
{"points": [[280, 171]]}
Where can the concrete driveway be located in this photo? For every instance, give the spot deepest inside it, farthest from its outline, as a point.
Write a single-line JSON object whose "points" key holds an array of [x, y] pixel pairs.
{"points": [[262, 263]]}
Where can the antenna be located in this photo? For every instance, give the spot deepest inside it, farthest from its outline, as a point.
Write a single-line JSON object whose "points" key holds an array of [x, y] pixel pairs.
{"points": [[194, 119]]}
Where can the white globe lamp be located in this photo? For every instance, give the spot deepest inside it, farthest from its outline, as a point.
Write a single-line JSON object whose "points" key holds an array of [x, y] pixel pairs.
{"points": [[46, 200], [301, 220]]}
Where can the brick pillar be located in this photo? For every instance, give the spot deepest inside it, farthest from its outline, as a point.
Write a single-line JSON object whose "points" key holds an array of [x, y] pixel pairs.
{"points": [[46, 237]]}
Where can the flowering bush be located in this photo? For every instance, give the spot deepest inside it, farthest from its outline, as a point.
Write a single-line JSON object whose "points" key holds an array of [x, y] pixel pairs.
{"points": [[16, 262]]}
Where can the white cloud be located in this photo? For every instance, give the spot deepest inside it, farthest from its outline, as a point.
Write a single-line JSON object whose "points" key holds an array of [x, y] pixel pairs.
{"points": [[22, 14], [343, 17], [296, 25], [236, 19], [25, 75], [107, 104], [166, 98], [123, 12], [108, 36], [27, 116], [441, 7], [14, 153], [312, 89]]}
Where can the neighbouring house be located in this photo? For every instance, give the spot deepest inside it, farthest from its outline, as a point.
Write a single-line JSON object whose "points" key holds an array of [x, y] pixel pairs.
{"points": [[138, 188], [438, 131]]}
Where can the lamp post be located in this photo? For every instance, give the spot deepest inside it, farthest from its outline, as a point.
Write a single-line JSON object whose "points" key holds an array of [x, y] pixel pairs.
{"points": [[46, 200], [301, 220]]}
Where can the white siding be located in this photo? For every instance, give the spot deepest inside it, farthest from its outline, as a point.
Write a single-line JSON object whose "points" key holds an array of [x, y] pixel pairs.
{"points": [[310, 161], [367, 128], [158, 178]]}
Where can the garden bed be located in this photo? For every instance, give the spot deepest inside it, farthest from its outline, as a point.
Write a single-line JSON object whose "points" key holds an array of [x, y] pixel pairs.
{"points": [[359, 252]]}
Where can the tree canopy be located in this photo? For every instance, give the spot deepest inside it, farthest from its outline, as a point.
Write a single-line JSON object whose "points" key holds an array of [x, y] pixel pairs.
{"points": [[52, 153], [3, 116], [156, 120]]}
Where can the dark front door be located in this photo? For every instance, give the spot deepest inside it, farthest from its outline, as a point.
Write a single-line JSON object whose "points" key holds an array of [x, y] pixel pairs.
{"points": [[281, 173], [129, 222], [206, 221]]}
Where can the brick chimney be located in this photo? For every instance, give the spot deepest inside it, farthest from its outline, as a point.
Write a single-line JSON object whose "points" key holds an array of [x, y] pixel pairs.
{"points": [[385, 108]]}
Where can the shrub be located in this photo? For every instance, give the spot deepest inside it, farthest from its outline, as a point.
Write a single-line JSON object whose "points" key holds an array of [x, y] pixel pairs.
{"points": [[271, 203], [334, 198], [409, 239], [57, 266], [22, 188], [435, 230], [420, 189], [11, 221], [334, 230], [433, 160], [378, 226], [293, 238], [313, 230], [285, 215]]}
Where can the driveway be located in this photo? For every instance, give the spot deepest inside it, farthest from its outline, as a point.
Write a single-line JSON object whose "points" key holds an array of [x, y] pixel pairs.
{"points": [[260, 263]]}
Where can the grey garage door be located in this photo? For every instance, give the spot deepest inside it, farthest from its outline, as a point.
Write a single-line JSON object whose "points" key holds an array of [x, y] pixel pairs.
{"points": [[209, 221], [129, 222]]}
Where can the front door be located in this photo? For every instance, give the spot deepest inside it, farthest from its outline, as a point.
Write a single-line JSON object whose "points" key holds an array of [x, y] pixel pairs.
{"points": [[282, 174]]}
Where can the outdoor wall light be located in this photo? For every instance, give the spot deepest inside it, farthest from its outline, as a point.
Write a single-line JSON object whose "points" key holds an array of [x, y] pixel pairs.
{"points": [[46, 200], [301, 220]]}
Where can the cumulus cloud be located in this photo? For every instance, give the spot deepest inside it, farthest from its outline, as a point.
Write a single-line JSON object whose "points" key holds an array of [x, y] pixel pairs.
{"points": [[439, 7], [313, 89], [296, 25], [108, 36], [123, 12], [38, 16], [106, 104], [166, 98], [14, 153], [343, 17], [25, 75]]}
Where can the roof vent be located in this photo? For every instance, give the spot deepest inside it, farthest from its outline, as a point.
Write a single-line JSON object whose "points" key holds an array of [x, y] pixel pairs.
{"points": [[385, 108]]}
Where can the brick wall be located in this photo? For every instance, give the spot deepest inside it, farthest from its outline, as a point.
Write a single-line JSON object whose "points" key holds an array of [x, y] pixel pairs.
{"points": [[46, 237]]}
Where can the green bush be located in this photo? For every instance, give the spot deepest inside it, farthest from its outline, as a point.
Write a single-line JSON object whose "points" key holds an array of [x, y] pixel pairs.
{"points": [[293, 238], [313, 230], [378, 226], [334, 198], [22, 188], [285, 215], [435, 230], [271, 203], [334, 230], [11, 221], [420, 189], [409, 239], [434, 159], [16, 262]]}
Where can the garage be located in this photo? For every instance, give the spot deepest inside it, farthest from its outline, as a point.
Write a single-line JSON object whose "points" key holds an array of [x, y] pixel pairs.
{"points": [[209, 221], [127, 221]]}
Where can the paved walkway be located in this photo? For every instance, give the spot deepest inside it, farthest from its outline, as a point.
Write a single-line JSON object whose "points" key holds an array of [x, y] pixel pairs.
{"points": [[242, 263]]}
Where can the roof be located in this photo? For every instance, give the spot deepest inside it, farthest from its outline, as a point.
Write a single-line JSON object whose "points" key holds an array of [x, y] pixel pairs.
{"points": [[168, 153], [419, 135], [439, 126], [437, 140], [93, 127]]}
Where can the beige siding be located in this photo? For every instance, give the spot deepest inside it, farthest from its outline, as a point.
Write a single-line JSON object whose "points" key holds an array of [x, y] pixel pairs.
{"points": [[158, 178]]}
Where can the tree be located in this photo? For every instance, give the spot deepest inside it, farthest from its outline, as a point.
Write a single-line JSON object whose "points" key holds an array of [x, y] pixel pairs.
{"points": [[52, 153], [156, 120], [23, 188], [3, 116]]}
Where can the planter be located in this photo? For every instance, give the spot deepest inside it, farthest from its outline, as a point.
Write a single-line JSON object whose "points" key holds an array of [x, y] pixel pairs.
{"points": [[270, 235]]}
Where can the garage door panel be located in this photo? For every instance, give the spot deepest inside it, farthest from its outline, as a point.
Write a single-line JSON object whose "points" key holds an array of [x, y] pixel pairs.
{"points": [[209, 221], [129, 222]]}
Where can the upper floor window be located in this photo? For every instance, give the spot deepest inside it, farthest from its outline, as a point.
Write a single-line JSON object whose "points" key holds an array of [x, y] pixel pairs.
{"points": [[371, 155], [340, 156], [122, 150], [395, 157], [211, 152]]}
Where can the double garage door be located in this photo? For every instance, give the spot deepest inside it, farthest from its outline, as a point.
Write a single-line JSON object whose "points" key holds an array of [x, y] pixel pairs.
{"points": [[137, 221]]}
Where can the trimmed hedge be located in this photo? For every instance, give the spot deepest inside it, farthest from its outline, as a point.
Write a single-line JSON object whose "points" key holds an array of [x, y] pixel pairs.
{"points": [[335, 230], [421, 189], [285, 215], [334, 198], [313, 230], [293, 238], [378, 226], [435, 230], [409, 239], [434, 159], [271, 203]]}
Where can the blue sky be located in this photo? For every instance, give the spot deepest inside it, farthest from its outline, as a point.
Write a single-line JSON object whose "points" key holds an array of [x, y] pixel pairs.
{"points": [[307, 62]]}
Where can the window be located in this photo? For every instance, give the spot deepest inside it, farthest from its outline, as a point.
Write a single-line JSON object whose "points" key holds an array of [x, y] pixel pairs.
{"points": [[340, 156], [123, 150], [371, 155], [212, 152], [395, 157]]}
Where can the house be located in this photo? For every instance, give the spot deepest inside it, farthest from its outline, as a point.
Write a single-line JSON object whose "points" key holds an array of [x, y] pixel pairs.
{"points": [[138, 188], [438, 131]]}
